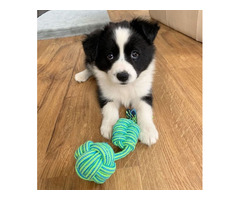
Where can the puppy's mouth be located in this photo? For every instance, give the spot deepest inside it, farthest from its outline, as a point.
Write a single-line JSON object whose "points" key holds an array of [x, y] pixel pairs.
{"points": [[123, 83]]}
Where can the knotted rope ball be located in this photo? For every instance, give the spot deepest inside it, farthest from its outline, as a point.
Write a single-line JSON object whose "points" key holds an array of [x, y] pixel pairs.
{"points": [[96, 161]]}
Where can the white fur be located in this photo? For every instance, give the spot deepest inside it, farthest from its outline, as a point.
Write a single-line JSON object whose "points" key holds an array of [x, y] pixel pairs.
{"points": [[122, 35], [149, 133], [110, 117], [83, 76], [120, 66]]}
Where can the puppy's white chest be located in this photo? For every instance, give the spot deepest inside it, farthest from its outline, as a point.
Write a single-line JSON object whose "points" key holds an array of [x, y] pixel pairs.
{"points": [[125, 95]]}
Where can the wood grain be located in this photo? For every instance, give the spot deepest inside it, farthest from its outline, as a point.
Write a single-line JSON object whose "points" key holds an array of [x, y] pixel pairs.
{"points": [[69, 115]]}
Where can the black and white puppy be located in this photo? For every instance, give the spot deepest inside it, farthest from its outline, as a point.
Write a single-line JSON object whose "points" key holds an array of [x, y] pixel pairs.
{"points": [[121, 57]]}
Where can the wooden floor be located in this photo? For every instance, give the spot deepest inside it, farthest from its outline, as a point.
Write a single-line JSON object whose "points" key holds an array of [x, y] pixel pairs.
{"points": [[69, 115]]}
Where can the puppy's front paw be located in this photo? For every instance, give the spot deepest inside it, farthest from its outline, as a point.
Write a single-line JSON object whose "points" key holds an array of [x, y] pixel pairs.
{"points": [[106, 130], [148, 134], [82, 76]]}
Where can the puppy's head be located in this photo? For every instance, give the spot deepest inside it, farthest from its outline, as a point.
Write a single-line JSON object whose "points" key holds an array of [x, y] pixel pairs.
{"points": [[122, 50]]}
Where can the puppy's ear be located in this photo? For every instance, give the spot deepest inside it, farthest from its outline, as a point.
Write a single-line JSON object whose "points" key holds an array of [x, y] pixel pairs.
{"points": [[145, 28], [90, 45]]}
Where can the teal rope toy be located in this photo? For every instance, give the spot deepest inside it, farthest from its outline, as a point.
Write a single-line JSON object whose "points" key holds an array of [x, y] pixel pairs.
{"points": [[96, 161]]}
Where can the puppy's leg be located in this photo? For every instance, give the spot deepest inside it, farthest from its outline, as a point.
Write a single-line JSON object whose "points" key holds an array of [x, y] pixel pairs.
{"points": [[110, 116], [83, 76], [149, 133]]}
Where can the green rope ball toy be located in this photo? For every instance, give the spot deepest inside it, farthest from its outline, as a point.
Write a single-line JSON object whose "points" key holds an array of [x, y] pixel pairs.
{"points": [[96, 161]]}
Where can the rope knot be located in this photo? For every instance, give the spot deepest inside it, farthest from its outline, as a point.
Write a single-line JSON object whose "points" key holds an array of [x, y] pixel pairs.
{"points": [[95, 161], [125, 134]]}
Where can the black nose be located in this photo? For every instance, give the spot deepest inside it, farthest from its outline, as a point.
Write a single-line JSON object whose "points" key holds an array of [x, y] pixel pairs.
{"points": [[122, 76]]}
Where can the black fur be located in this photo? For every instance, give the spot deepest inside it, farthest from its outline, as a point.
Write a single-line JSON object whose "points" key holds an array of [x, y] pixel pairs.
{"points": [[145, 51], [146, 29], [148, 99], [90, 46], [101, 99], [107, 45]]}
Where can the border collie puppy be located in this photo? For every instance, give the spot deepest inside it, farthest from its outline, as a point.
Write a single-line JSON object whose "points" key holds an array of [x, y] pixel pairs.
{"points": [[121, 57]]}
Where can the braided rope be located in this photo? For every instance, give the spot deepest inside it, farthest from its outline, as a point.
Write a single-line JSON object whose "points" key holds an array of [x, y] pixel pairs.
{"points": [[96, 161]]}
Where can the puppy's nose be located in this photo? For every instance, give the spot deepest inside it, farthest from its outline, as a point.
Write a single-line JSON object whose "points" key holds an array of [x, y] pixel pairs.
{"points": [[122, 76]]}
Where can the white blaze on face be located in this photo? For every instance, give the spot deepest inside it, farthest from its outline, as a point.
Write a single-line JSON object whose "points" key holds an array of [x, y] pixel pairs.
{"points": [[122, 36]]}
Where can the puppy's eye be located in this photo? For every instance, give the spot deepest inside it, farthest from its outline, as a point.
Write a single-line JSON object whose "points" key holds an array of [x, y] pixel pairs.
{"points": [[110, 56], [134, 54]]}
